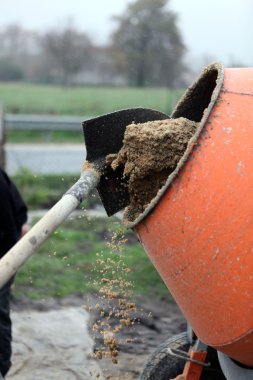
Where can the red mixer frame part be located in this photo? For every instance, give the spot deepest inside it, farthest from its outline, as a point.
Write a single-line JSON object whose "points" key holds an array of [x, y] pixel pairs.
{"points": [[195, 360]]}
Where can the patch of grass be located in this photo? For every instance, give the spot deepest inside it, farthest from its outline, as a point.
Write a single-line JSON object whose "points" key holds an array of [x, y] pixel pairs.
{"points": [[66, 263], [45, 190], [84, 101], [20, 136]]}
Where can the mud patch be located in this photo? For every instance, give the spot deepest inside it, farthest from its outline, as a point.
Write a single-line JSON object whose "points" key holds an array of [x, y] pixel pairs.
{"points": [[159, 319], [155, 320], [150, 152]]}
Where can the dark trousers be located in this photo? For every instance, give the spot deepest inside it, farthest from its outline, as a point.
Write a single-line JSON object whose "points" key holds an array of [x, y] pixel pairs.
{"points": [[5, 328]]}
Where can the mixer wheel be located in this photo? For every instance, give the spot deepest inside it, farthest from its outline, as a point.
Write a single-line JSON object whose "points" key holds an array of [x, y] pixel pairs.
{"points": [[161, 366]]}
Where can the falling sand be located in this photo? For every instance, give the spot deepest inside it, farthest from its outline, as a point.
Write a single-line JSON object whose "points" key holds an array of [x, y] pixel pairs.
{"points": [[150, 152]]}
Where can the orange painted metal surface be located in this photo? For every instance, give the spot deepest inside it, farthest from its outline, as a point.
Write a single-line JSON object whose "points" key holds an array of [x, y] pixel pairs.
{"points": [[200, 234]]}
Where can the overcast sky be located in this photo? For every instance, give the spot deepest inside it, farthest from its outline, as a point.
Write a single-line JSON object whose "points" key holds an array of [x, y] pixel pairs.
{"points": [[211, 29]]}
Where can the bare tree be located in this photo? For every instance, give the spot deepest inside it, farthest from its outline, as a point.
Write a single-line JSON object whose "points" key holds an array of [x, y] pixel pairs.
{"points": [[147, 44], [17, 47], [66, 52]]}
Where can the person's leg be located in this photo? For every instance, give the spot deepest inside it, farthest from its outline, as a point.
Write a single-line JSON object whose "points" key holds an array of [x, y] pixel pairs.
{"points": [[5, 329]]}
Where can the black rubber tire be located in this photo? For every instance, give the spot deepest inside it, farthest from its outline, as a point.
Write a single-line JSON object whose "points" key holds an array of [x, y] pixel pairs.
{"points": [[161, 366]]}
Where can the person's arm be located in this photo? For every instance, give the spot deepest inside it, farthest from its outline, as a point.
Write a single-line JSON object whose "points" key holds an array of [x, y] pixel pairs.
{"points": [[8, 229], [18, 205]]}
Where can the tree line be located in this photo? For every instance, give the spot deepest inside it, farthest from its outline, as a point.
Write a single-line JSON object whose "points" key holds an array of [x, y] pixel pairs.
{"points": [[145, 49]]}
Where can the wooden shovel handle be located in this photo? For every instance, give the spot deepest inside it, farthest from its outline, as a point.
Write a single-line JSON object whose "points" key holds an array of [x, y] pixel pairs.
{"points": [[41, 231]]}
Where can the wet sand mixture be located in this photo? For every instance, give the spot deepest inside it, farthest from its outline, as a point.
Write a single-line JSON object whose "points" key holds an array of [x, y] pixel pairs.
{"points": [[150, 153], [114, 304]]}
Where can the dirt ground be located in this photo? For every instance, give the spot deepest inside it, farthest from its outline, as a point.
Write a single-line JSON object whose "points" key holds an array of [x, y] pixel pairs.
{"points": [[53, 339]]}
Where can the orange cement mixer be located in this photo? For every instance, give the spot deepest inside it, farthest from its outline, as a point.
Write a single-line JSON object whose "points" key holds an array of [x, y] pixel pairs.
{"points": [[198, 231]]}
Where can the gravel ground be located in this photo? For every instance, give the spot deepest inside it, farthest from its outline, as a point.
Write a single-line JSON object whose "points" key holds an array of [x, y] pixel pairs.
{"points": [[53, 339]]}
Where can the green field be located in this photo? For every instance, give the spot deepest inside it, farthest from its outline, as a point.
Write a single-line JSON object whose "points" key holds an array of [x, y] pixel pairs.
{"points": [[68, 262], [84, 101], [42, 192]]}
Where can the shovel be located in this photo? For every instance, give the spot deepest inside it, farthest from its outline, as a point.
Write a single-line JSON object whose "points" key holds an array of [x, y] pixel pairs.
{"points": [[103, 135]]}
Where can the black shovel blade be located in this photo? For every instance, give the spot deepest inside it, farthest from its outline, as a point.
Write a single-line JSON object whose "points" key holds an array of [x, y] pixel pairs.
{"points": [[104, 135]]}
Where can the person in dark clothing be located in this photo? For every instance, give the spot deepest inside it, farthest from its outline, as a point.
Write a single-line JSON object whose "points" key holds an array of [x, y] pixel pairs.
{"points": [[13, 215]]}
